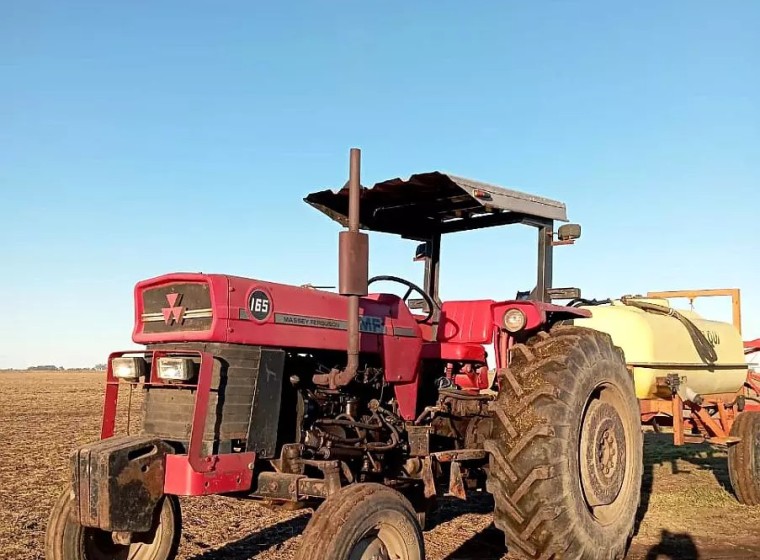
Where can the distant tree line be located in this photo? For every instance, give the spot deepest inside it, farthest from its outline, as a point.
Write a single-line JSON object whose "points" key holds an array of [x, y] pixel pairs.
{"points": [[51, 367]]}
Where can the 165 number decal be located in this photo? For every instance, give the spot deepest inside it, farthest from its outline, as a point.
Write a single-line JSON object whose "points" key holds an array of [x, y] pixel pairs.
{"points": [[259, 305]]}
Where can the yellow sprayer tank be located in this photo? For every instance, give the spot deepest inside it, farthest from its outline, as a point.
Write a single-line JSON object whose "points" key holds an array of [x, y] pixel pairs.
{"points": [[656, 345]]}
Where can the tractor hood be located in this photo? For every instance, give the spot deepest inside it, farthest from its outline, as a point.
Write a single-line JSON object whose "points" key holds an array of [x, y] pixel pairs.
{"points": [[186, 307]]}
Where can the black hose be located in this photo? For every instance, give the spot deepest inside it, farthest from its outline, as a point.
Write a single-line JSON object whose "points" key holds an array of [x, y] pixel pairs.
{"points": [[705, 350], [347, 423], [577, 302], [340, 439], [464, 395]]}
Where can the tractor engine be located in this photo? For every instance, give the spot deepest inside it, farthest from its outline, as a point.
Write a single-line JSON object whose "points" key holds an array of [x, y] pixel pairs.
{"points": [[354, 424]]}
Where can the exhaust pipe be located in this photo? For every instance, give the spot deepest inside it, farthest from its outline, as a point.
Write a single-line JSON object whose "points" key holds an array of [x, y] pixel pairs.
{"points": [[353, 275]]}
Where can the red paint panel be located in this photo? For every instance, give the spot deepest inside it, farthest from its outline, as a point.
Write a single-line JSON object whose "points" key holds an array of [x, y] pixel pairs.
{"points": [[197, 461], [474, 381], [466, 321], [110, 399], [451, 351], [231, 473], [406, 395]]}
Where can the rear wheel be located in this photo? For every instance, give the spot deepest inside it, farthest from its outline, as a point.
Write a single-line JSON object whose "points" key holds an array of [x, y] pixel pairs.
{"points": [[744, 458], [66, 539], [363, 522], [566, 449]]}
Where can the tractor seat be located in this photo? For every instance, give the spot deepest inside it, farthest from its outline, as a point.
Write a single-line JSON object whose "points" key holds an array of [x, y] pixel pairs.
{"points": [[463, 329]]}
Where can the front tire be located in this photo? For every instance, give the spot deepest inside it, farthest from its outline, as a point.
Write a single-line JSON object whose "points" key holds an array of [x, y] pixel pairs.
{"points": [[744, 458], [362, 522], [566, 455], [66, 539]]}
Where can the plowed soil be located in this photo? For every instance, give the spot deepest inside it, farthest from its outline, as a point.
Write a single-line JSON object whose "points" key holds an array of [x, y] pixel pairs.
{"points": [[688, 510]]}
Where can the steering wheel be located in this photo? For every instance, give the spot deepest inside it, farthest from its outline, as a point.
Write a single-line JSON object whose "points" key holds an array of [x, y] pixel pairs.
{"points": [[411, 288]]}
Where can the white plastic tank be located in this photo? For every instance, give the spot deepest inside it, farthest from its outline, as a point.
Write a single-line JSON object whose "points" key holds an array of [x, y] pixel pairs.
{"points": [[656, 345]]}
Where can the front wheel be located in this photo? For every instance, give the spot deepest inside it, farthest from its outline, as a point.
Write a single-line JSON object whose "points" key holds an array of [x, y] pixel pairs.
{"points": [[566, 453], [66, 539], [363, 522]]}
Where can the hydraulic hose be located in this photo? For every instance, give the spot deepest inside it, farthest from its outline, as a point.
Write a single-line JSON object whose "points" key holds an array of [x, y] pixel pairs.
{"points": [[705, 350], [464, 395], [577, 302]]}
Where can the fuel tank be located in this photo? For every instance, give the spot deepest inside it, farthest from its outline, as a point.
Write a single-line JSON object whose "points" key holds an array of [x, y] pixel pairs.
{"points": [[656, 345]]}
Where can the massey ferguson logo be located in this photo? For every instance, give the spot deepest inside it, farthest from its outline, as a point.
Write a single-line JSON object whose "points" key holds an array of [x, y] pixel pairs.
{"points": [[173, 314]]}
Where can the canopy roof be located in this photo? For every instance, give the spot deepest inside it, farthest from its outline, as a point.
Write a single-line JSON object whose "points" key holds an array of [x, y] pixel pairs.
{"points": [[429, 203]]}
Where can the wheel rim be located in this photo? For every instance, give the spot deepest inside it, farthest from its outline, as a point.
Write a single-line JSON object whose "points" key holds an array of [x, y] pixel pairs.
{"points": [[384, 542], [99, 545], [604, 450], [96, 544]]}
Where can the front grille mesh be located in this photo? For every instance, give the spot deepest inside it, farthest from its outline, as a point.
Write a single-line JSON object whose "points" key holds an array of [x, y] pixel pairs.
{"points": [[167, 411]]}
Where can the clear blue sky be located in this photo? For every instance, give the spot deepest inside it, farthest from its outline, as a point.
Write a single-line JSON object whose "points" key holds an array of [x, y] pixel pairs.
{"points": [[138, 138]]}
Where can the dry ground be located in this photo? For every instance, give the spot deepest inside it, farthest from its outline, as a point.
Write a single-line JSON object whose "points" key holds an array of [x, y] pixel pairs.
{"points": [[43, 416]]}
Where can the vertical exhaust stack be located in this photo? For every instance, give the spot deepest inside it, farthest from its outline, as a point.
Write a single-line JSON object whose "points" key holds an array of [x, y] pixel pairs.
{"points": [[353, 274]]}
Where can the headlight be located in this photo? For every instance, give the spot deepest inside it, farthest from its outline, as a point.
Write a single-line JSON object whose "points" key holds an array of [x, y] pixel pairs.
{"points": [[514, 320], [175, 369], [128, 368]]}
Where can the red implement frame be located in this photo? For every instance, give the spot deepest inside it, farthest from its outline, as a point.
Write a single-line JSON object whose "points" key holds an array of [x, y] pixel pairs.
{"points": [[752, 386], [700, 418], [195, 473]]}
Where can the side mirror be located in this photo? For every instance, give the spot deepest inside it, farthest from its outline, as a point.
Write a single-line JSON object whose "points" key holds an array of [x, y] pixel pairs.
{"points": [[423, 251], [569, 232]]}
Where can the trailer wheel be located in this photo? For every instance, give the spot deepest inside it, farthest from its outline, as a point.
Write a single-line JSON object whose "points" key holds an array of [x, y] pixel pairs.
{"points": [[744, 458], [566, 455], [66, 539], [362, 522]]}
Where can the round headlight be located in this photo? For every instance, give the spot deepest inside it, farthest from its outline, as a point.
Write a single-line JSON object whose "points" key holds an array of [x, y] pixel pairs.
{"points": [[514, 320]]}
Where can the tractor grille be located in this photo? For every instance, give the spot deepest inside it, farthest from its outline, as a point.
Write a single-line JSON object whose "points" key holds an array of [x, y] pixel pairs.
{"points": [[182, 306], [168, 411]]}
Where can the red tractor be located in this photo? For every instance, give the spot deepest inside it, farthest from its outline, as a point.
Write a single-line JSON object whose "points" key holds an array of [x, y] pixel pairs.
{"points": [[367, 406]]}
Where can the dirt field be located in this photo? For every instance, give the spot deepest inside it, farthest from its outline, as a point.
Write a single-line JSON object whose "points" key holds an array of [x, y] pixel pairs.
{"points": [[43, 416]]}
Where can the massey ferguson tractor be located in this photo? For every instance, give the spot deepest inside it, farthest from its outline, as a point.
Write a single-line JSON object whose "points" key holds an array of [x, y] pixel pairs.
{"points": [[367, 406]]}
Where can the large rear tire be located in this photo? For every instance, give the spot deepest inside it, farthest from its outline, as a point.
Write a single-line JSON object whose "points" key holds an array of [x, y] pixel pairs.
{"points": [[566, 455], [362, 522], [66, 539], [744, 458]]}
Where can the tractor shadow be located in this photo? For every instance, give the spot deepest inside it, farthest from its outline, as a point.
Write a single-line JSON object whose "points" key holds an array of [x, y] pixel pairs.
{"points": [[257, 542], [659, 450], [679, 546], [450, 508], [488, 544]]}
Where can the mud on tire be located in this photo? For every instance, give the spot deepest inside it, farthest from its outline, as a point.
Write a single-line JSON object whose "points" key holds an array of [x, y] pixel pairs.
{"points": [[364, 520], [566, 448]]}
